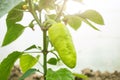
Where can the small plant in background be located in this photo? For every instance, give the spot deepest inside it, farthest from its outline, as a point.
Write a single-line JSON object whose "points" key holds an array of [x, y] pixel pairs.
{"points": [[56, 37]]}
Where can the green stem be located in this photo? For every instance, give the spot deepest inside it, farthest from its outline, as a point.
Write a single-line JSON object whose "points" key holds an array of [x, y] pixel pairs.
{"points": [[45, 52], [31, 9], [61, 10]]}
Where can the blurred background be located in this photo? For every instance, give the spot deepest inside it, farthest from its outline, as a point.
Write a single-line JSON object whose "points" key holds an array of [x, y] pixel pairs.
{"points": [[98, 50]]}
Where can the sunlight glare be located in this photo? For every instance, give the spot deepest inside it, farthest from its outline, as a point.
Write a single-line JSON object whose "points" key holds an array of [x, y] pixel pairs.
{"points": [[73, 7]]}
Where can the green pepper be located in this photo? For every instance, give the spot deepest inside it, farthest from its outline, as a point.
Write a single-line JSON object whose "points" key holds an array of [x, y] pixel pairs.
{"points": [[62, 41]]}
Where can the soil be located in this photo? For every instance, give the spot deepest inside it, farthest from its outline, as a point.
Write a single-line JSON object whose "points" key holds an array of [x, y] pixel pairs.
{"points": [[92, 75]]}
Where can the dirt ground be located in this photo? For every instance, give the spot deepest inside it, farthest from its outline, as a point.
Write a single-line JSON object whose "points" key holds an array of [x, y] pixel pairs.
{"points": [[93, 75]]}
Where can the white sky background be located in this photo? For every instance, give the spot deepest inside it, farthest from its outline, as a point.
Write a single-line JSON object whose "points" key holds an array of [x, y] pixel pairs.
{"points": [[95, 50]]}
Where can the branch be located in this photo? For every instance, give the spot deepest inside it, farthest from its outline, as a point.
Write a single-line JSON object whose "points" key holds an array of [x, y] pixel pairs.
{"points": [[31, 8], [60, 13], [32, 51]]}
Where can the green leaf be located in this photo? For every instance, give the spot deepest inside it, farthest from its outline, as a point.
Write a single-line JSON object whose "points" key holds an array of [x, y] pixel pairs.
{"points": [[91, 25], [14, 30], [46, 4], [15, 14], [28, 73], [84, 77], [12, 34], [93, 16], [61, 74], [7, 5], [57, 57], [87, 22], [27, 61], [7, 64], [73, 21], [31, 47], [52, 61], [52, 16], [78, 0]]}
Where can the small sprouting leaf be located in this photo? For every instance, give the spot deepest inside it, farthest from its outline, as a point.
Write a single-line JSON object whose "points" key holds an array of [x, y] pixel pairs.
{"points": [[31, 25], [93, 16], [84, 77], [31, 47], [52, 61], [28, 73], [27, 61], [61, 74], [14, 30], [7, 64], [39, 47], [73, 21], [7, 5]]}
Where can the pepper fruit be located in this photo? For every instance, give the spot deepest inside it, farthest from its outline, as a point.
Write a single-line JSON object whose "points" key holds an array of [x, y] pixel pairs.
{"points": [[62, 41]]}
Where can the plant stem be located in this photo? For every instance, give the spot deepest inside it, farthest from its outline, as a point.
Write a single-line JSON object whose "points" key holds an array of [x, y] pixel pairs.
{"points": [[31, 9], [45, 52], [61, 10]]}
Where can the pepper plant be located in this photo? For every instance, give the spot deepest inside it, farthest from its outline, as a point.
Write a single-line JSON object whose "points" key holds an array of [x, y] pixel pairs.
{"points": [[52, 19]]}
